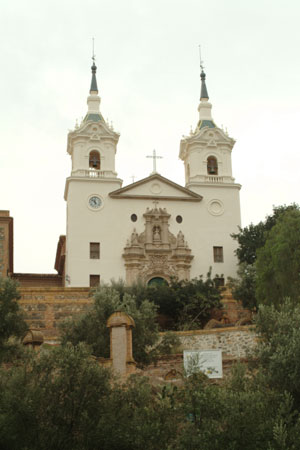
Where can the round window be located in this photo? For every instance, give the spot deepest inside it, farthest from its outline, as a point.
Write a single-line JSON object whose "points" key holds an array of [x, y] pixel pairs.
{"points": [[133, 217], [178, 219]]}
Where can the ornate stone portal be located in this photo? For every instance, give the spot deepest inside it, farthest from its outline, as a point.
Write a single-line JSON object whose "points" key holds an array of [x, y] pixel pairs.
{"points": [[156, 252]]}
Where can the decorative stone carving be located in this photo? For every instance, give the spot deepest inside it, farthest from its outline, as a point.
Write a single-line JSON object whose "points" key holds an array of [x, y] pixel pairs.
{"points": [[156, 252]]}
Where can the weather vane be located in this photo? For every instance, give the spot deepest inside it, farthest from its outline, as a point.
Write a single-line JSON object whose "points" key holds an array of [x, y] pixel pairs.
{"points": [[94, 56], [201, 62]]}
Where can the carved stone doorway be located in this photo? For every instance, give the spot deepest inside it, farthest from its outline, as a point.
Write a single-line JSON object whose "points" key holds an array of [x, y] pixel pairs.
{"points": [[156, 252], [157, 281]]}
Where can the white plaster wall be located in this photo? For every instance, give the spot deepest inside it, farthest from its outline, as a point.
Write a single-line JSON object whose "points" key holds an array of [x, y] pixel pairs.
{"points": [[112, 226]]}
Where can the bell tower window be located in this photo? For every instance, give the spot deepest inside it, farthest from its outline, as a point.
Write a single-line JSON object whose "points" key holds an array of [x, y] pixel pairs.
{"points": [[94, 160], [212, 165]]}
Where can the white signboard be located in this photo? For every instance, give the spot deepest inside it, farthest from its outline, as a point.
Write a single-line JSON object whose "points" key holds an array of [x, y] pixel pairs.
{"points": [[207, 361]]}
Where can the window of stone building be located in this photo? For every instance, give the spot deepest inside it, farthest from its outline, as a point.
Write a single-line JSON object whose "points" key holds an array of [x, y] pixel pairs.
{"points": [[94, 280], [218, 254], [94, 160], [212, 165], [94, 250]]}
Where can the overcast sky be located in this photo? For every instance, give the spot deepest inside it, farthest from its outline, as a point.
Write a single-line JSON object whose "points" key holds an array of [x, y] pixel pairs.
{"points": [[148, 79]]}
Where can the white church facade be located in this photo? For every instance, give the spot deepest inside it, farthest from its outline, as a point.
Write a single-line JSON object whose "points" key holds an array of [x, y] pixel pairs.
{"points": [[152, 228]]}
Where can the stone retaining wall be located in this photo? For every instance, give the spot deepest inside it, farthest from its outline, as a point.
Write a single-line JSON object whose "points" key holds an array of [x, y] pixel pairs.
{"points": [[233, 341], [45, 307]]}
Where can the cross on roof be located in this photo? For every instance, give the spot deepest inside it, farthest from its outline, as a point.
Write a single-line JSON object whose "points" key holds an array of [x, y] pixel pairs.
{"points": [[155, 157]]}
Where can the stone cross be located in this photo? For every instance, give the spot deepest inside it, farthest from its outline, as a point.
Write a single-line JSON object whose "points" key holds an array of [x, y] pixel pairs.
{"points": [[154, 156]]}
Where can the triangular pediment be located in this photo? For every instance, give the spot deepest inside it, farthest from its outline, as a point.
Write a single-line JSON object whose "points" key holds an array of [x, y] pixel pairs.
{"points": [[156, 187]]}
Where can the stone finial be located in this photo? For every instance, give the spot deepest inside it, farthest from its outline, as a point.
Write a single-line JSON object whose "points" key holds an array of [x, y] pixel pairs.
{"points": [[35, 338]]}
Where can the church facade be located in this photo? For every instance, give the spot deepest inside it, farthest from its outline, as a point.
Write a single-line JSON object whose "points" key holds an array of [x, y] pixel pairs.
{"points": [[152, 229]]}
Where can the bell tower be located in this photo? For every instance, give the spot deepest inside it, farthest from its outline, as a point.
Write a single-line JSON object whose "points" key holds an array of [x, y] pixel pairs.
{"points": [[92, 146], [206, 152]]}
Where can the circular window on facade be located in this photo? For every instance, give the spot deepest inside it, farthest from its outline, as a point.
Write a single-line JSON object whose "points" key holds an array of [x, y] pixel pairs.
{"points": [[157, 281], [133, 217], [179, 219]]}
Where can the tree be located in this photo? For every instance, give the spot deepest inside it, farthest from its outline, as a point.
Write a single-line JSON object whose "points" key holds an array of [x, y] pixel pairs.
{"points": [[63, 399], [239, 414], [251, 239], [277, 355], [278, 261], [12, 323], [186, 303], [91, 327], [48, 402], [243, 287]]}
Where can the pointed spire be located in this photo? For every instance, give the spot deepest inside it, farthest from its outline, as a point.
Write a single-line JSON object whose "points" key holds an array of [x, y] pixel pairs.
{"points": [[204, 93], [204, 108], [94, 87], [93, 100]]}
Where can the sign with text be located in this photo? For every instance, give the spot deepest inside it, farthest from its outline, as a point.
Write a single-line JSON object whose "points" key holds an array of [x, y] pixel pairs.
{"points": [[207, 361]]}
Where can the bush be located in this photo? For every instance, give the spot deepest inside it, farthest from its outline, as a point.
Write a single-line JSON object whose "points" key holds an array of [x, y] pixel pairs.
{"points": [[187, 304], [91, 327]]}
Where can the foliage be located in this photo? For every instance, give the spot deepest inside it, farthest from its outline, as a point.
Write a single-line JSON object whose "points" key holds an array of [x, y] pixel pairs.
{"points": [[243, 287], [253, 237], [91, 327], [187, 304], [12, 323], [140, 417], [278, 262], [49, 401], [278, 352], [169, 344], [251, 240], [62, 399], [238, 415]]}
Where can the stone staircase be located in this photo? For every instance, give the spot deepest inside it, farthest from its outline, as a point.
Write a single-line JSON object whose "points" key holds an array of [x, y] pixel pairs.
{"points": [[233, 309]]}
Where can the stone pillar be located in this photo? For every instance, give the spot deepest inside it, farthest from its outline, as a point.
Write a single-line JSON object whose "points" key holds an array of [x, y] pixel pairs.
{"points": [[148, 229], [6, 244], [165, 232], [120, 325]]}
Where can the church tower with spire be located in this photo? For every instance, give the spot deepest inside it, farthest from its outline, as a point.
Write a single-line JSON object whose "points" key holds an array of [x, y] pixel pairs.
{"points": [[206, 154], [92, 146]]}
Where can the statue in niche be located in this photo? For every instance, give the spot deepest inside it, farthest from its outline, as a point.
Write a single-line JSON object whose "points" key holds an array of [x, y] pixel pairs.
{"points": [[156, 251], [156, 234], [134, 238], [180, 239]]}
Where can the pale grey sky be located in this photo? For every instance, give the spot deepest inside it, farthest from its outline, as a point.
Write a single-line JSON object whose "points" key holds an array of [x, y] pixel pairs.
{"points": [[148, 78]]}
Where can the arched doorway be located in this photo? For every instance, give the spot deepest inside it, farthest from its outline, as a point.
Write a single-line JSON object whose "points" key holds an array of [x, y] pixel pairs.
{"points": [[157, 281]]}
